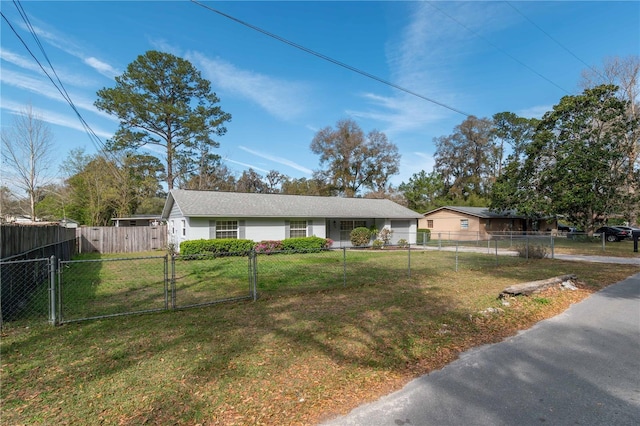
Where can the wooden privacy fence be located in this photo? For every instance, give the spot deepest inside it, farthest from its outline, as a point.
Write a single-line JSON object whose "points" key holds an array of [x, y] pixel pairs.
{"points": [[19, 238], [125, 239]]}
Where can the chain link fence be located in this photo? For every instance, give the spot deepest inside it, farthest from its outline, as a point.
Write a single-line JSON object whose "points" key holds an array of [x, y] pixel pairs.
{"points": [[209, 279], [26, 280], [60, 290], [97, 288], [25, 290]]}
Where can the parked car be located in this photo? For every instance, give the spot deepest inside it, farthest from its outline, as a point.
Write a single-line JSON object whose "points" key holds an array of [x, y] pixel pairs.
{"points": [[629, 229], [575, 233], [612, 233]]}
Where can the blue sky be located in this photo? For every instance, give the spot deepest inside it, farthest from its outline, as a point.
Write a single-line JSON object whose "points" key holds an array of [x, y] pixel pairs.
{"points": [[479, 58]]}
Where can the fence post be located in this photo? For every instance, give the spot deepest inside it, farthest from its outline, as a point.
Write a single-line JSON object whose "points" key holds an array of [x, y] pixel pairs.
{"points": [[173, 281], [552, 247], [344, 266], [457, 255], [59, 292], [253, 274], [496, 252], [166, 282], [409, 260], [52, 291]]}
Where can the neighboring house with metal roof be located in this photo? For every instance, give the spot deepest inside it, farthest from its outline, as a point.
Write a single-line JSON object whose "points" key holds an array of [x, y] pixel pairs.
{"points": [[193, 215], [470, 223]]}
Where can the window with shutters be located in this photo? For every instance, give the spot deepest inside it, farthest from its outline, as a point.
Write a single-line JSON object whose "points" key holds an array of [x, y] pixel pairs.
{"points": [[297, 228], [227, 229]]}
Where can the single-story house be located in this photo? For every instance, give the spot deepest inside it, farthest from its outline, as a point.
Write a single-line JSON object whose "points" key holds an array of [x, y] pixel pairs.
{"points": [[138, 220], [471, 223], [193, 215]]}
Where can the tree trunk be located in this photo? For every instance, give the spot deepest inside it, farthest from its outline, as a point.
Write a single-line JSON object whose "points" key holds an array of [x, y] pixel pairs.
{"points": [[531, 287]]}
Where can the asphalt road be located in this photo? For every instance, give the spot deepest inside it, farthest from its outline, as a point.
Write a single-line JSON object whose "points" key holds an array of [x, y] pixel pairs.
{"points": [[581, 367]]}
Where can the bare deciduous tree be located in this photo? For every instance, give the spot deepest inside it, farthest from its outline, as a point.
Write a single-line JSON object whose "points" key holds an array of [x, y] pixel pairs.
{"points": [[27, 151], [354, 161]]}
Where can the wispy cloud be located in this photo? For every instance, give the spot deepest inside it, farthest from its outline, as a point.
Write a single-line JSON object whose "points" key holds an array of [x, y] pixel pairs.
{"points": [[278, 160], [101, 66], [535, 111], [246, 165], [421, 60], [44, 88], [280, 98], [52, 117], [28, 64], [71, 47]]}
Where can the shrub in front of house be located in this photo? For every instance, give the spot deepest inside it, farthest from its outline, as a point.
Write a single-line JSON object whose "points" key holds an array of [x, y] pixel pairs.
{"points": [[306, 243], [268, 246], [218, 246], [531, 251], [385, 236], [424, 235], [360, 237]]}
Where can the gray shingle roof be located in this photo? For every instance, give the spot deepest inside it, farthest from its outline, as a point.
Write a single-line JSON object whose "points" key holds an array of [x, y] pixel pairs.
{"points": [[233, 204], [482, 212]]}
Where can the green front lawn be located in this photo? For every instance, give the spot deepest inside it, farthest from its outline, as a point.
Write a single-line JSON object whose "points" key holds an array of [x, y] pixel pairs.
{"points": [[306, 350]]}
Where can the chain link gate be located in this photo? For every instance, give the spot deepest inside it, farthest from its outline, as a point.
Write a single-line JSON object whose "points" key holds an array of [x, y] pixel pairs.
{"points": [[25, 290]]}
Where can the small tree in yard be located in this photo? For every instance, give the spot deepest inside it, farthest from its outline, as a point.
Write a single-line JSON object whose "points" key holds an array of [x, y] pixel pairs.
{"points": [[385, 235]]}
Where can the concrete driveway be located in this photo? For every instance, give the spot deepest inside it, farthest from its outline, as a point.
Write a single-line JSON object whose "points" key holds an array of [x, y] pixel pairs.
{"points": [[581, 367], [634, 260]]}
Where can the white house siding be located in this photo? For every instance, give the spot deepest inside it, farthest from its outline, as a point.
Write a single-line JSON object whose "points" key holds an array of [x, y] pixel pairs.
{"points": [[264, 229], [276, 229], [261, 229], [176, 232], [256, 229], [198, 228], [403, 230]]}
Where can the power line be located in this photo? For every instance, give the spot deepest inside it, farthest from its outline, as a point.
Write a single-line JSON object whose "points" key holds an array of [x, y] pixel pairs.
{"points": [[475, 33], [59, 85], [329, 59], [554, 40]]}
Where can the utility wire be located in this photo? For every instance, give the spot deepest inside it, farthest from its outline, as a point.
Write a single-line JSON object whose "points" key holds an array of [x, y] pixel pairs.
{"points": [[329, 59], [496, 47], [554, 40], [59, 86]]}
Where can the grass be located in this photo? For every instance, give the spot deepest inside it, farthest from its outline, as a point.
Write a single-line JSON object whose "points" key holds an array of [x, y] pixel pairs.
{"points": [[594, 247], [562, 245], [291, 358]]}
